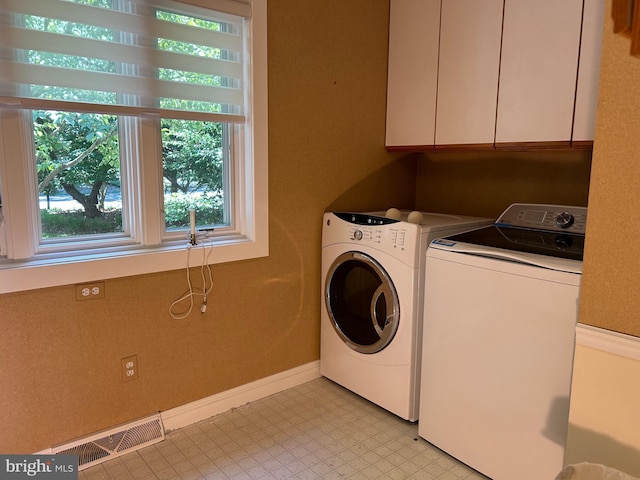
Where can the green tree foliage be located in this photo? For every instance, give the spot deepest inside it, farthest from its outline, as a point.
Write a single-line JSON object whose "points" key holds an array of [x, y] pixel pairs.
{"points": [[193, 167], [192, 153], [75, 150]]}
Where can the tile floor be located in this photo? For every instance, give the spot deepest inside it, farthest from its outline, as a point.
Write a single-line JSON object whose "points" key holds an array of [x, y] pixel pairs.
{"points": [[317, 430]]}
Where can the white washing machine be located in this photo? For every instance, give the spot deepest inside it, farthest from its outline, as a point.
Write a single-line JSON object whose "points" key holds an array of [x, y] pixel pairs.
{"points": [[372, 290], [501, 307]]}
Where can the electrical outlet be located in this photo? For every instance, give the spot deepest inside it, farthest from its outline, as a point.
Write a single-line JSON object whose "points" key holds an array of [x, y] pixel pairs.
{"points": [[90, 291], [129, 368]]}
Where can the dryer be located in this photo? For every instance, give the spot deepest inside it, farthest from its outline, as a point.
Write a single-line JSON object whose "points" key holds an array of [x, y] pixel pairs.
{"points": [[371, 310]]}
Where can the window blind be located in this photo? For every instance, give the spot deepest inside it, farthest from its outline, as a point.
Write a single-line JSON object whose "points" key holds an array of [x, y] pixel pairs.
{"points": [[127, 57]]}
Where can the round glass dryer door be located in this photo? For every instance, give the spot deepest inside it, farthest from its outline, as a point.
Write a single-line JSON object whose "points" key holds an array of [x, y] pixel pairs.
{"points": [[362, 302]]}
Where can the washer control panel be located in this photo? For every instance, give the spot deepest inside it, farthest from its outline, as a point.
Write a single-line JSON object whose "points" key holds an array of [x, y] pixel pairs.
{"points": [[545, 217]]}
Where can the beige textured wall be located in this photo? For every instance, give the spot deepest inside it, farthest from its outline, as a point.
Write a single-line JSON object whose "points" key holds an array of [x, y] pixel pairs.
{"points": [[611, 285], [60, 359], [486, 183]]}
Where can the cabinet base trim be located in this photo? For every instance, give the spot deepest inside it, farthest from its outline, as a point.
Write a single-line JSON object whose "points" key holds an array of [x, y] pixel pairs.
{"points": [[501, 147]]}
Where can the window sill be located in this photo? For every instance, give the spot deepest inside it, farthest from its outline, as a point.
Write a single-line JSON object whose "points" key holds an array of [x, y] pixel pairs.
{"points": [[42, 273]]}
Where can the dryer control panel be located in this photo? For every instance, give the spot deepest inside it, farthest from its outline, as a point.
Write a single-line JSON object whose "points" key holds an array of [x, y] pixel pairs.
{"points": [[375, 229], [365, 228], [364, 219], [394, 237]]}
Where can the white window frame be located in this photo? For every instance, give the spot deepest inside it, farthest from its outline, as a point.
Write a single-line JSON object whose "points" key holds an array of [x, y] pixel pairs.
{"points": [[250, 238]]}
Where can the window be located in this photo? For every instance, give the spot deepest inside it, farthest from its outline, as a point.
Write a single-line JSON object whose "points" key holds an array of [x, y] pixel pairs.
{"points": [[118, 118]]}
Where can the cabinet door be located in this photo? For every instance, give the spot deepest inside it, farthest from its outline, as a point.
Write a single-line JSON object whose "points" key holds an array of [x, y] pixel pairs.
{"points": [[538, 69], [413, 68], [584, 122], [470, 38]]}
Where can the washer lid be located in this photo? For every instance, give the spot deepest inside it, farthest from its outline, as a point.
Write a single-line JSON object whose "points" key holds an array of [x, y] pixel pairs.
{"points": [[554, 244]]}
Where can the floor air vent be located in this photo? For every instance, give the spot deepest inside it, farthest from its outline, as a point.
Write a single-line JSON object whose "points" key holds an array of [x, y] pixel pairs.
{"points": [[115, 442]]}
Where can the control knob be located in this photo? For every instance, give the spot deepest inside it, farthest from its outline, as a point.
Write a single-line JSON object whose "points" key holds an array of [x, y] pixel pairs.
{"points": [[563, 242], [357, 235], [564, 220]]}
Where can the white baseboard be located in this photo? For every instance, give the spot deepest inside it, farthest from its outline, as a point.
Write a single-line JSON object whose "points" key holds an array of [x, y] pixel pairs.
{"points": [[608, 341], [193, 412]]}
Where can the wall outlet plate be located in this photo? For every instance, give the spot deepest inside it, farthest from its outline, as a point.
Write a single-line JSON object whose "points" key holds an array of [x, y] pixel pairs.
{"points": [[129, 368], [90, 291]]}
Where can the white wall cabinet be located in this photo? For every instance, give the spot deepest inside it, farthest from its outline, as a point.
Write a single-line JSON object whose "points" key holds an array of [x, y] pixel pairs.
{"points": [[584, 124], [413, 72], [485, 72], [470, 38], [538, 70]]}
